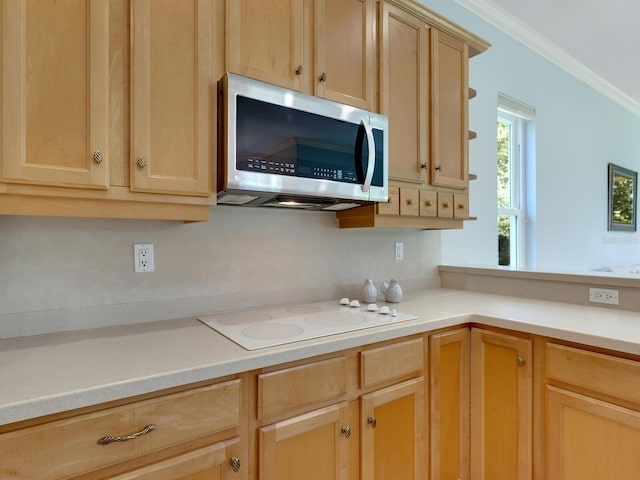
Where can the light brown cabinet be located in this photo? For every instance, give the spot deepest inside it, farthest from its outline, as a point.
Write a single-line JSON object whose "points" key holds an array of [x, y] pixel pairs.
{"points": [[423, 72], [144, 438], [55, 90], [449, 408], [314, 446], [216, 462], [82, 81], [324, 48], [593, 416], [350, 426], [171, 102], [501, 406], [449, 166]]}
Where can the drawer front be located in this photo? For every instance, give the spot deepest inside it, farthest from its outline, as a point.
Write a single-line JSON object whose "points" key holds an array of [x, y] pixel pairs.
{"points": [[392, 207], [445, 205], [461, 205], [69, 447], [409, 202], [597, 372], [428, 203], [296, 387], [392, 361]]}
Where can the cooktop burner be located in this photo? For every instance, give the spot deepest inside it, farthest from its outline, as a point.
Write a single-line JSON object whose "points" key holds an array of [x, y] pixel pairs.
{"points": [[257, 329]]}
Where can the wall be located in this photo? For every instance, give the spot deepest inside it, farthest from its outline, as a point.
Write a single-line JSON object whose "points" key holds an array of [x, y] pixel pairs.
{"points": [[62, 273], [578, 132]]}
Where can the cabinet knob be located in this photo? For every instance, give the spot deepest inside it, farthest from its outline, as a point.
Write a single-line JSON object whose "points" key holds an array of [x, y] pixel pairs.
{"points": [[323, 77], [427, 203], [460, 206], [98, 157], [409, 201], [423, 166], [445, 205], [372, 421], [346, 431], [299, 70], [141, 162], [438, 168], [235, 464], [521, 361]]}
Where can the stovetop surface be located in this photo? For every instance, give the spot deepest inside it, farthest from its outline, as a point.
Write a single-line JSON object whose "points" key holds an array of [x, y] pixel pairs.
{"points": [[255, 329]]}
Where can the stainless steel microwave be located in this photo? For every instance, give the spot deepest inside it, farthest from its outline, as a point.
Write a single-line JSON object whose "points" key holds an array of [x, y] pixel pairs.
{"points": [[281, 148]]}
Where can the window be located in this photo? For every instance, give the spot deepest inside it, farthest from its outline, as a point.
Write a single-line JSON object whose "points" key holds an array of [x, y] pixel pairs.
{"points": [[514, 132]]}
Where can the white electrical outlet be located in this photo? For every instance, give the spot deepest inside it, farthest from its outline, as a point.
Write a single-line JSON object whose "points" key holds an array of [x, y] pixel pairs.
{"points": [[143, 257], [399, 251], [603, 295]]}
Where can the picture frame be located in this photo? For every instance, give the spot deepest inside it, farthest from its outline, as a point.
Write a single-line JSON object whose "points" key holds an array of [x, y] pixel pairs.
{"points": [[622, 198]]}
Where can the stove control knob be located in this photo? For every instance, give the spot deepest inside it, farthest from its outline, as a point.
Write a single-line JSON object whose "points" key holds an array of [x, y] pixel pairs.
{"points": [[372, 307], [354, 303], [385, 310], [344, 301]]}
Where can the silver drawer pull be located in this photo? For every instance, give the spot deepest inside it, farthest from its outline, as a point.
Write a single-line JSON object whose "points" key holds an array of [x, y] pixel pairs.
{"points": [[111, 439]]}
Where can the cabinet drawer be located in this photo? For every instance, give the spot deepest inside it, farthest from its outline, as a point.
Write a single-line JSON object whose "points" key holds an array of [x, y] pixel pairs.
{"points": [[296, 387], [445, 205], [392, 206], [69, 447], [461, 205], [409, 203], [392, 361], [597, 372], [428, 203]]}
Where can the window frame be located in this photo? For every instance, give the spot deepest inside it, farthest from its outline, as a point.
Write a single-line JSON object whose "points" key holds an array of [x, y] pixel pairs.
{"points": [[517, 186]]}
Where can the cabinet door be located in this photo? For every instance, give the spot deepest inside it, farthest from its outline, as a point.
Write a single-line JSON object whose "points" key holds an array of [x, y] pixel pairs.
{"points": [[264, 40], [216, 462], [449, 382], [589, 439], [450, 137], [345, 51], [314, 446], [171, 103], [404, 94], [392, 429], [55, 91], [501, 406]]}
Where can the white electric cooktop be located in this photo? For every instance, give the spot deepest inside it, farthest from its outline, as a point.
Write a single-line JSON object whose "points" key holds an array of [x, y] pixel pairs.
{"points": [[255, 329]]}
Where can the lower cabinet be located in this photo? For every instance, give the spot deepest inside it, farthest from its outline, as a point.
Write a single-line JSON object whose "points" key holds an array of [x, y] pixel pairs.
{"points": [[359, 415], [393, 429], [449, 408], [593, 415], [366, 413], [501, 406], [314, 446], [186, 435], [216, 462]]}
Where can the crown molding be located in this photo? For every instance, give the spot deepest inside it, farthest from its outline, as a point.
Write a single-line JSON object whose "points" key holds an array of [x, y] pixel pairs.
{"points": [[523, 33]]}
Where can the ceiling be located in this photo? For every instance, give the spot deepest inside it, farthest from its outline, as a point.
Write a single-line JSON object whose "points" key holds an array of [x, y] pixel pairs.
{"points": [[596, 41]]}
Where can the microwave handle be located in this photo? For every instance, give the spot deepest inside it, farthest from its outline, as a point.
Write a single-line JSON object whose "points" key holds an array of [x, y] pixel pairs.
{"points": [[372, 155]]}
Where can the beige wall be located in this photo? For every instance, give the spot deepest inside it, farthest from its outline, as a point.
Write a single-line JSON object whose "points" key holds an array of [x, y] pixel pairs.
{"points": [[64, 273]]}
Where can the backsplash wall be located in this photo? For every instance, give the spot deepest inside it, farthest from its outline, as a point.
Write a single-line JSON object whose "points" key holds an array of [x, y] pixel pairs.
{"points": [[61, 274]]}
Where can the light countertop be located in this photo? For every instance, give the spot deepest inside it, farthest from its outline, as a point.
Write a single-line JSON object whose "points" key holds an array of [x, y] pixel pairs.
{"points": [[45, 374]]}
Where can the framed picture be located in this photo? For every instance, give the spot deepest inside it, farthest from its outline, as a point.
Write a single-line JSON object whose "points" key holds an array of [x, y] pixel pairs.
{"points": [[623, 185]]}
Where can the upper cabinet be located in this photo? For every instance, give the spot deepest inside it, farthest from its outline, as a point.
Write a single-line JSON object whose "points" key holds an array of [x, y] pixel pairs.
{"points": [[113, 98], [323, 47], [423, 72], [171, 107], [450, 59], [55, 90], [404, 98]]}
